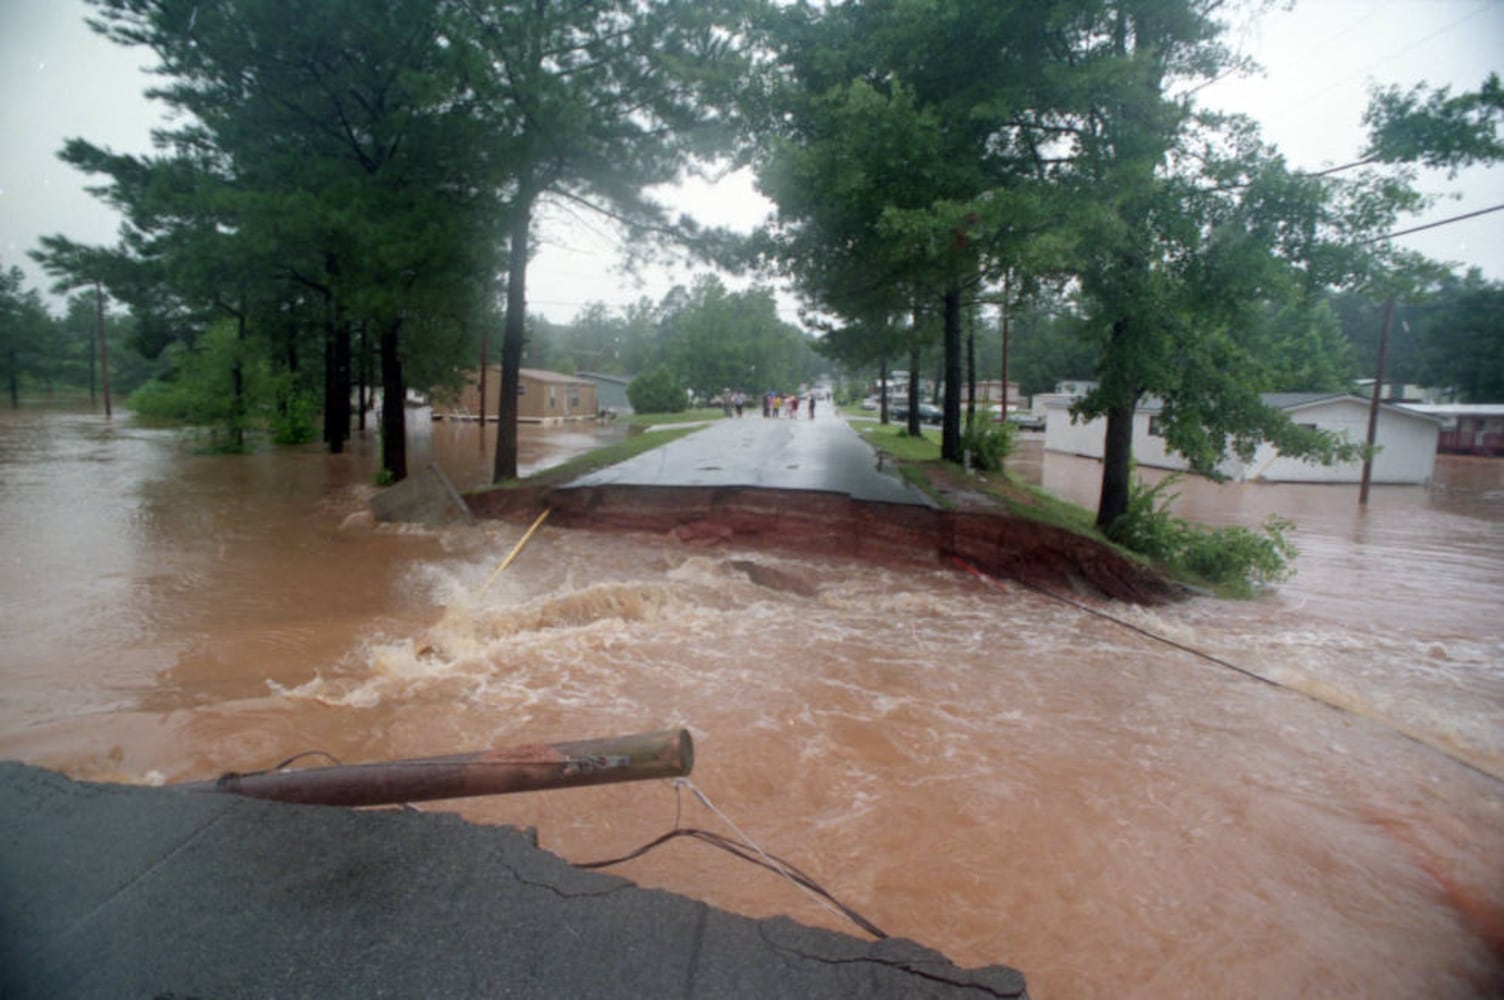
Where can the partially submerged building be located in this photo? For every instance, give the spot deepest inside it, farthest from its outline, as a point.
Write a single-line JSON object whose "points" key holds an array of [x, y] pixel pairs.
{"points": [[1406, 440], [611, 391], [1467, 428], [543, 397]]}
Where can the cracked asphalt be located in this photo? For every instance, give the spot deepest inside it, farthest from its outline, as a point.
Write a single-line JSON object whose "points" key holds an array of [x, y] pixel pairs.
{"points": [[121, 891]]}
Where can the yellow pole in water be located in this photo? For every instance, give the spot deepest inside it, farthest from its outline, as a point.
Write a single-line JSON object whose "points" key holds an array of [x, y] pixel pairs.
{"points": [[515, 550]]}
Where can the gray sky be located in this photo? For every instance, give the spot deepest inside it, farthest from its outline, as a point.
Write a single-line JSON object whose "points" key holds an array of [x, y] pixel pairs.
{"points": [[58, 79]]}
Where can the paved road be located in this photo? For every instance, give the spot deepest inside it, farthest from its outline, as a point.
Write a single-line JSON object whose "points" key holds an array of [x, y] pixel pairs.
{"points": [[772, 453], [110, 891]]}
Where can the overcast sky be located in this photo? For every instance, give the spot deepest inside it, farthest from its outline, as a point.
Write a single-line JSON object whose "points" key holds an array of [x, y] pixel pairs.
{"points": [[58, 79]]}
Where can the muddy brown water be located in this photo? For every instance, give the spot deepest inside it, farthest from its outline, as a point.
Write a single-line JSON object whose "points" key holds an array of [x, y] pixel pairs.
{"points": [[980, 768]]}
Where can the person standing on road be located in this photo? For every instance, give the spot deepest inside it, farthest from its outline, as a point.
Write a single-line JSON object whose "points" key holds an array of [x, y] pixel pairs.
{"points": [[740, 400], [812, 406], [793, 405]]}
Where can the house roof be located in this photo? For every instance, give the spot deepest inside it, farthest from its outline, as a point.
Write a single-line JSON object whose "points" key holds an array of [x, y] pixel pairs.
{"points": [[540, 375], [1292, 400], [1457, 409], [603, 377], [1285, 401], [1302, 400]]}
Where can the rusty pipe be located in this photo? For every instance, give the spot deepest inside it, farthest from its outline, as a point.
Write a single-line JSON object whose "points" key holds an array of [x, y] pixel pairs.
{"points": [[498, 771]]}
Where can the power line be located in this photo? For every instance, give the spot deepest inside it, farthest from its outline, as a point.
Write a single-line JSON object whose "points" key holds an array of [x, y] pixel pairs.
{"points": [[1433, 225], [1307, 104]]}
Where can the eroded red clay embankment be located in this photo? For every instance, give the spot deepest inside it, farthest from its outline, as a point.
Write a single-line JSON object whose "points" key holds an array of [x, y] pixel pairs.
{"points": [[813, 522]]}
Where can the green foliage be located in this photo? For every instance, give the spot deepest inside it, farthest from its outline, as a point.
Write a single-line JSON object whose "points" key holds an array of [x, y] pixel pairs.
{"points": [[988, 444], [219, 384], [1048, 343], [1435, 127], [1233, 559], [24, 332], [1297, 346], [1462, 339], [294, 419], [712, 339], [657, 392]]}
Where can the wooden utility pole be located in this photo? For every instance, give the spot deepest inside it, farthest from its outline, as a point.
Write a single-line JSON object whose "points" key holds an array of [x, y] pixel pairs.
{"points": [[1006, 276], [502, 770], [483, 386], [104, 350], [1373, 403]]}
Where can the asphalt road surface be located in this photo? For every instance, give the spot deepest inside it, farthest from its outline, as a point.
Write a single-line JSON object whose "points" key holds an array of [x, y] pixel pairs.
{"points": [[783, 453]]}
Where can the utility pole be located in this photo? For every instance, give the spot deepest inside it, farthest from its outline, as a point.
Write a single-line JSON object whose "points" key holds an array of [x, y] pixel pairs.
{"points": [[483, 386], [104, 351], [1373, 403], [1006, 276]]}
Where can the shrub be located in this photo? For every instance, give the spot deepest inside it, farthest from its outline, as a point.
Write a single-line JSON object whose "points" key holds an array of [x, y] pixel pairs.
{"points": [[295, 418], [657, 392], [988, 444], [198, 389], [1236, 560]]}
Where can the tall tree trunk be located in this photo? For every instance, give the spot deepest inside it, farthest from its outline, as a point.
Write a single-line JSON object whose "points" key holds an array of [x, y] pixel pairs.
{"points": [[912, 424], [882, 385], [393, 403], [15, 380], [336, 363], [511, 344], [971, 368], [1117, 464], [482, 408], [333, 435], [950, 428], [335, 445], [1007, 308], [363, 377], [237, 383], [104, 350], [342, 338]]}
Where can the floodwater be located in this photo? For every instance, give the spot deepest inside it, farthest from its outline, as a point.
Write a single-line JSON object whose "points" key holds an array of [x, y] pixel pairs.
{"points": [[979, 767]]}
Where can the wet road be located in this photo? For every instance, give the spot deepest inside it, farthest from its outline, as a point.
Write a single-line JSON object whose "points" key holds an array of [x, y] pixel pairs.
{"points": [[773, 453]]}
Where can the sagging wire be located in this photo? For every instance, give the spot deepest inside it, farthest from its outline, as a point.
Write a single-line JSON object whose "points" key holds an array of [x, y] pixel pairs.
{"points": [[744, 847], [228, 776], [970, 568], [1255, 675]]}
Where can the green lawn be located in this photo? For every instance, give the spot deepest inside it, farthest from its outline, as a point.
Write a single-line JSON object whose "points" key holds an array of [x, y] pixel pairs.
{"points": [[688, 416], [610, 454], [921, 465]]}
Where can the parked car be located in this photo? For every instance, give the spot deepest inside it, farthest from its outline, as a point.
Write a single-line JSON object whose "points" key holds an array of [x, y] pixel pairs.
{"points": [[1026, 421], [929, 413]]}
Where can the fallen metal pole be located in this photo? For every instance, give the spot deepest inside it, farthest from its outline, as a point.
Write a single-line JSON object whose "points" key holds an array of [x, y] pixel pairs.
{"points": [[499, 771]]}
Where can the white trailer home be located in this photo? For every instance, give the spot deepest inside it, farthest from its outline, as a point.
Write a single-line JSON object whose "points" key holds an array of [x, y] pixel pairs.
{"points": [[1406, 440]]}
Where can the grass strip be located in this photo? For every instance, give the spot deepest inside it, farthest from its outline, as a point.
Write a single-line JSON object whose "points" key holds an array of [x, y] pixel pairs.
{"points": [[688, 416], [587, 463]]}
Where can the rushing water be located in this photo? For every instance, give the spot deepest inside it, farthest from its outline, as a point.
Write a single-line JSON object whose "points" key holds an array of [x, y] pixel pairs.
{"points": [[991, 772]]}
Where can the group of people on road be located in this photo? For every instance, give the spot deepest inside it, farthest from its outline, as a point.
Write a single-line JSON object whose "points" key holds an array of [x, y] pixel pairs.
{"points": [[774, 404]]}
